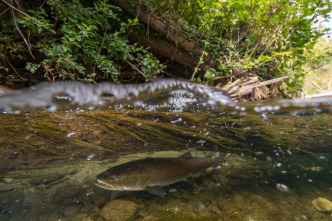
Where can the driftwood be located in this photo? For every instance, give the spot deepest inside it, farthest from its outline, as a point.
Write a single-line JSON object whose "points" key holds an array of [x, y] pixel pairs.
{"points": [[250, 85], [322, 92], [320, 89]]}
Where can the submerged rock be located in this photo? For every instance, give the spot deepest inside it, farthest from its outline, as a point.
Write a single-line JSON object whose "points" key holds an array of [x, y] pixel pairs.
{"points": [[71, 210], [119, 210], [99, 199], [253, 217], [322, 204], [4, 217], [83, 217]]}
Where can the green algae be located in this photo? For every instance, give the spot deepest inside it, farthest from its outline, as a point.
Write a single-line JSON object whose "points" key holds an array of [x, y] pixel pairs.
{"points": [[110, 133]]}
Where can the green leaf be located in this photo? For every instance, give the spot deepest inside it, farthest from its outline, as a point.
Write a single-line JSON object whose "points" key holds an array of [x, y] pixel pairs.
{"points": [[209, 75]]}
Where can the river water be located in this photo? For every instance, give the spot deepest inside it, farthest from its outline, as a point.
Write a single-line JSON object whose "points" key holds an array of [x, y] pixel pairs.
{"points": [[55, 138]]}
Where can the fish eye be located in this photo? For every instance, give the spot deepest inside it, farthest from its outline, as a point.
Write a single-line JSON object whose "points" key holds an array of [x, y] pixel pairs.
{"points": [[117, 177]]}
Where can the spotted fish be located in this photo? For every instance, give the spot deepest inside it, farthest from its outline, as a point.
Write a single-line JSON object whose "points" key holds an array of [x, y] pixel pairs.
{"points": [[153, 173]]}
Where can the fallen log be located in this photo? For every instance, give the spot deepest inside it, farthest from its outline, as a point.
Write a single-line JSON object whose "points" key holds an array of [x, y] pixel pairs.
{"points": [[154, 21], [169, 50]]}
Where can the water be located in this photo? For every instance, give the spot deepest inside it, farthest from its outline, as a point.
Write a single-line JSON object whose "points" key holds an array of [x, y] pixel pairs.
{"points": [[56, 138]]}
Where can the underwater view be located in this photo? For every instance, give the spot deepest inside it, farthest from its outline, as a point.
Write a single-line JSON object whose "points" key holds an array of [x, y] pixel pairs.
{"points": [[167, 150]]}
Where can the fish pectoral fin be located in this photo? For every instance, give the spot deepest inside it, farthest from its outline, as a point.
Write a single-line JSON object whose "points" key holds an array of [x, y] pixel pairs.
{"points": [[191, 180], [156, 190], [186, 155]]}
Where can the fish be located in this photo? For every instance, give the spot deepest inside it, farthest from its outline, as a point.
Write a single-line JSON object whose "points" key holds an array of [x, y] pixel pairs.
{"points": [[152, 174]]}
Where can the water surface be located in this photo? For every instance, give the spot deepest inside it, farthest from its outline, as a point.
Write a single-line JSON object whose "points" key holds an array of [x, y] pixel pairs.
{"points": [[56, 139]]}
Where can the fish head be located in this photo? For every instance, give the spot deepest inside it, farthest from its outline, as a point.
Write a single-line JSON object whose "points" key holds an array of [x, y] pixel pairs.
{"points": [[116, 179]]}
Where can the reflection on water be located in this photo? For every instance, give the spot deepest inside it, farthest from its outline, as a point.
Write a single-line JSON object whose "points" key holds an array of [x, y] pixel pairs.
{"points": [[278, 155]]}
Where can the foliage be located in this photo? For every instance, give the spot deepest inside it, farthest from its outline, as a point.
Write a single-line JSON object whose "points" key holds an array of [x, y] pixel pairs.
{"points": [[319, 68], [321, 54], [9, 48], [80, 40], [266, 37], [89, 40]]}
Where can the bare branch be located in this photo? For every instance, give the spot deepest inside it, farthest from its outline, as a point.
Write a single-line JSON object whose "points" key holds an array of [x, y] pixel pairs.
{"points": [[10, 64], [318, 87], [136, 68], [23, 12]]}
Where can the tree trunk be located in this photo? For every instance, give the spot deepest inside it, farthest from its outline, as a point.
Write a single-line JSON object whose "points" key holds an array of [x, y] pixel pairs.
{"points": [[157, 23], [169, 50]]}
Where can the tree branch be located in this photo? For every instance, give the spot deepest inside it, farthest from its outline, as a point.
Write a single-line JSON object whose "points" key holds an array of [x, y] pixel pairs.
{"points": [[265, 26]]}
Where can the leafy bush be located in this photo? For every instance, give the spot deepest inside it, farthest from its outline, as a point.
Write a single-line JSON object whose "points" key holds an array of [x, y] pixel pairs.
{"points": [[322, 53], [265, 38], [319, 68], [79, 40], [88, 40]]}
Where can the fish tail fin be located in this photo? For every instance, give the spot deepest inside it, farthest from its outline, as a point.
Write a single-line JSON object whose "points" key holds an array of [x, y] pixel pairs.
{"points": [[220, 157]]}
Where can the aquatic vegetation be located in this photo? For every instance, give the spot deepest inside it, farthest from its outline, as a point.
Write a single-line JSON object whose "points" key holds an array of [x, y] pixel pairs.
{"points": [[42, 135], [278, 157]]}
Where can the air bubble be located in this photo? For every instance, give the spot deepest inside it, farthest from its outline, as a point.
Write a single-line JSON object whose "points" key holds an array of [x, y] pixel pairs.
{"points": [[282, 187], [70, 134]]}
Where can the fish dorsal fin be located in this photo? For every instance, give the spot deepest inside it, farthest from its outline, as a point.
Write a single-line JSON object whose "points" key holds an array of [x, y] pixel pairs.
{"points": [[186, 155], [156, 190]]}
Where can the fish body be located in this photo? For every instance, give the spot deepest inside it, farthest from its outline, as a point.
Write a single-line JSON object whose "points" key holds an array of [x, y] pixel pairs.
{"points": [[153, 173]]}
